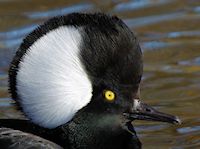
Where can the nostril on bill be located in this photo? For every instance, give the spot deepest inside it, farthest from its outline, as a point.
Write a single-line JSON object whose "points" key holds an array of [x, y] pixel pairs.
{"points": [[148, 110]]}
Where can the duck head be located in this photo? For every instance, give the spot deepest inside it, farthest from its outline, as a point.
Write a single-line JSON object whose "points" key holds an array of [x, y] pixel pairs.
{"points": [[82, 72]]}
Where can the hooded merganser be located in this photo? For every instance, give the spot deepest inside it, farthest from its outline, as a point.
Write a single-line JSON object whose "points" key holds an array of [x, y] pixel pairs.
{"points": [[76, 78]]}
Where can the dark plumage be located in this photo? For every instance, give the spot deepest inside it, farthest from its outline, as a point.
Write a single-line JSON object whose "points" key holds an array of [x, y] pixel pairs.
{"points": [[15, 139]]}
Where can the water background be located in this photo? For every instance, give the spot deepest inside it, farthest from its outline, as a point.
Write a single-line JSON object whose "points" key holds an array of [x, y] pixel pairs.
{"points": [[169, 34]]}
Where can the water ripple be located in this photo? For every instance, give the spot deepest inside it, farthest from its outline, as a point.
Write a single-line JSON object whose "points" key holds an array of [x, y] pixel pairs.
{"points": [[197, 9], [195, 61], [58, 11], [142, 21], [151, 45], [133, 5], [183, 34], [17, 32], [5, 102], [11, 43], [188, 129]]}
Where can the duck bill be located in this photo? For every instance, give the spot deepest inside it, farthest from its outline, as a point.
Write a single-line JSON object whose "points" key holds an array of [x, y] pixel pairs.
{"points": [[142, 111]]}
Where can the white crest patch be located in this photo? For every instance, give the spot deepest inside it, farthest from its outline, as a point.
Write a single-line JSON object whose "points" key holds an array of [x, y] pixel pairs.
{"points": [[51, 82], [137, 103]]}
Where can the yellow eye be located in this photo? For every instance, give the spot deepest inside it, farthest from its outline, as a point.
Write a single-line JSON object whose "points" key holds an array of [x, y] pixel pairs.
{"points": [[109, 95]]}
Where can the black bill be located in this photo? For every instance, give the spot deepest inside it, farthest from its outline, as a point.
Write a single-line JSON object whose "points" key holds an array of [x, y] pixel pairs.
{"points": [[142, 111]]}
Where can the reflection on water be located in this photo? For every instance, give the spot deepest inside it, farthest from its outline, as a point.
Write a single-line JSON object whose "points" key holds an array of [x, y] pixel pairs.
{"points": [[58, 11], [169, 32]]}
